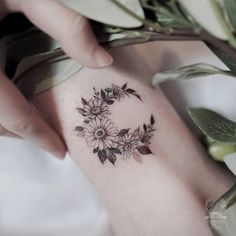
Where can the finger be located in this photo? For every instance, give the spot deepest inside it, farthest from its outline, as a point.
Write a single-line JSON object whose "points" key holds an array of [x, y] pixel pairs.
{"points": [[6, 133], [71, 30], [17, 116]]}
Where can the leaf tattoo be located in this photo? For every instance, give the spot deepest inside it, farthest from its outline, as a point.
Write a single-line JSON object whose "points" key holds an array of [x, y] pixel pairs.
{"points": [[102, 135]]}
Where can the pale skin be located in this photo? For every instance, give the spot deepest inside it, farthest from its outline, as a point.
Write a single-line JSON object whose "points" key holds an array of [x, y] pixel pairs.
{"points": [[73, 32], [163, 195], [166, 193]]}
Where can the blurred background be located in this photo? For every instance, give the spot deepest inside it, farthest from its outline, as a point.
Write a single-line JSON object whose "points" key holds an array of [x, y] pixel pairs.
{"points": [[41, 196]]}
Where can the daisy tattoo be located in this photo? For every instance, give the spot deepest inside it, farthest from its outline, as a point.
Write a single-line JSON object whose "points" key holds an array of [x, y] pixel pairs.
{"points": [[103, 136]]}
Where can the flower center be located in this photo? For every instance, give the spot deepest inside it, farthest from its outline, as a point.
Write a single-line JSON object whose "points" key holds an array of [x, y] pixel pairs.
{"points": [[127, 146], [100, 133], [96, 110]]}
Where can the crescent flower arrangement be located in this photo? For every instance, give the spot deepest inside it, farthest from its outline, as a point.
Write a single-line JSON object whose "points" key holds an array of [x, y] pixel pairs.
{"points": [[103, 136]]}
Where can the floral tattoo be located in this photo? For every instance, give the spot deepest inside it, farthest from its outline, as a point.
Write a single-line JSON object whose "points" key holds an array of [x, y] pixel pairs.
{"points": [[102, 135]]}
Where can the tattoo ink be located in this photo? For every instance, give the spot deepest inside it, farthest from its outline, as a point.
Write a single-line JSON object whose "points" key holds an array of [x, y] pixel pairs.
{"points": [[103, 136]]}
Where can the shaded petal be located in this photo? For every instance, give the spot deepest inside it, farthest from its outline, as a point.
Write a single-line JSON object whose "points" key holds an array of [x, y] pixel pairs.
{"points": [[103, 121], [96, 142], [112, 132], [100, 145], [108, 143], [97, 122]]}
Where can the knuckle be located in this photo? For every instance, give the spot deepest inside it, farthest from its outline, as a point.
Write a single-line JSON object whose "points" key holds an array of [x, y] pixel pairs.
{"points": [[25, 126], [24, 6], [3, 131]]}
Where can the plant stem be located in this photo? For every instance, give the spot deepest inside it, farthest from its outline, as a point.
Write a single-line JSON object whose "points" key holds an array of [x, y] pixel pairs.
{"points": [[229, 198], [145, 35], [221, 45]]}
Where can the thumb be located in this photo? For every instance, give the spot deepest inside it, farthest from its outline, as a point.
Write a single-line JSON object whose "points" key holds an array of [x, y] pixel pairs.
{"points": [[70, 28]]}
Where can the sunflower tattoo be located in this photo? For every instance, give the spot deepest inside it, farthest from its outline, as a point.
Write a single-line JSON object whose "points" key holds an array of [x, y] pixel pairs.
{"points": [[102, 135]]}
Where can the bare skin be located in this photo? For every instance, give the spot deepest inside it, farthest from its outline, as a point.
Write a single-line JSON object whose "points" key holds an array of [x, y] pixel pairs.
{"points": [[73, 32], [166, 193]]}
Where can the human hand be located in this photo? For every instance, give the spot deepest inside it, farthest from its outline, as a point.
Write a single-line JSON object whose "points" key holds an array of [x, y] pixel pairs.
{"points": [[17, 116]]}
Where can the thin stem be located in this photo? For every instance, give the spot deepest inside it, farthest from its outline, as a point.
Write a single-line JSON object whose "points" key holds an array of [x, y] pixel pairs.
{"points": [[149, 38]]}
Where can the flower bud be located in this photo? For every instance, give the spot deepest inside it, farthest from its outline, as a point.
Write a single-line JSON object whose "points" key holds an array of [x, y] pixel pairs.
{"points": [[219, 150]]}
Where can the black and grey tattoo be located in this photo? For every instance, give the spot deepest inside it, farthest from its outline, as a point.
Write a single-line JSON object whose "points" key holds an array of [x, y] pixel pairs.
{"points": [[102, 134]]}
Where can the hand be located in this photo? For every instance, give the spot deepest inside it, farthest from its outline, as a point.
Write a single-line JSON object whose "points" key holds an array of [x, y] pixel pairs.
{"points": [[17, 117]]}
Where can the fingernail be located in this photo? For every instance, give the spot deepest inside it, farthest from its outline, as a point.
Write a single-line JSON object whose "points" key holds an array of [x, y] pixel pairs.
{"points": [[59, 155], [103, 58]]}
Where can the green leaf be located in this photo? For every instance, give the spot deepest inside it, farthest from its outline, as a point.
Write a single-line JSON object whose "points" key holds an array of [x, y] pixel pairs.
{"points": [[168, 13], [214, 125], [229, 61], [105, 11], [203, 12], [219, 12], [230, 161], [189, 72], [170, 22], [230, 6], [222, 214]]}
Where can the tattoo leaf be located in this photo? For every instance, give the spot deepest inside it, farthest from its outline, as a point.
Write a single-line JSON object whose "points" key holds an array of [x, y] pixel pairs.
{"points": [[102, 155], [123, 132], [138, 158], [79, 128], [109, 102], [151, 130], [145, 127], [136, 131], [144, 150], [108, 90], [115, 150], [130, 91], [136, 95], [124, 86], [81, 111], [95, 150], [84, 102], [152, 121], [103, 94], [112, 157]]}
